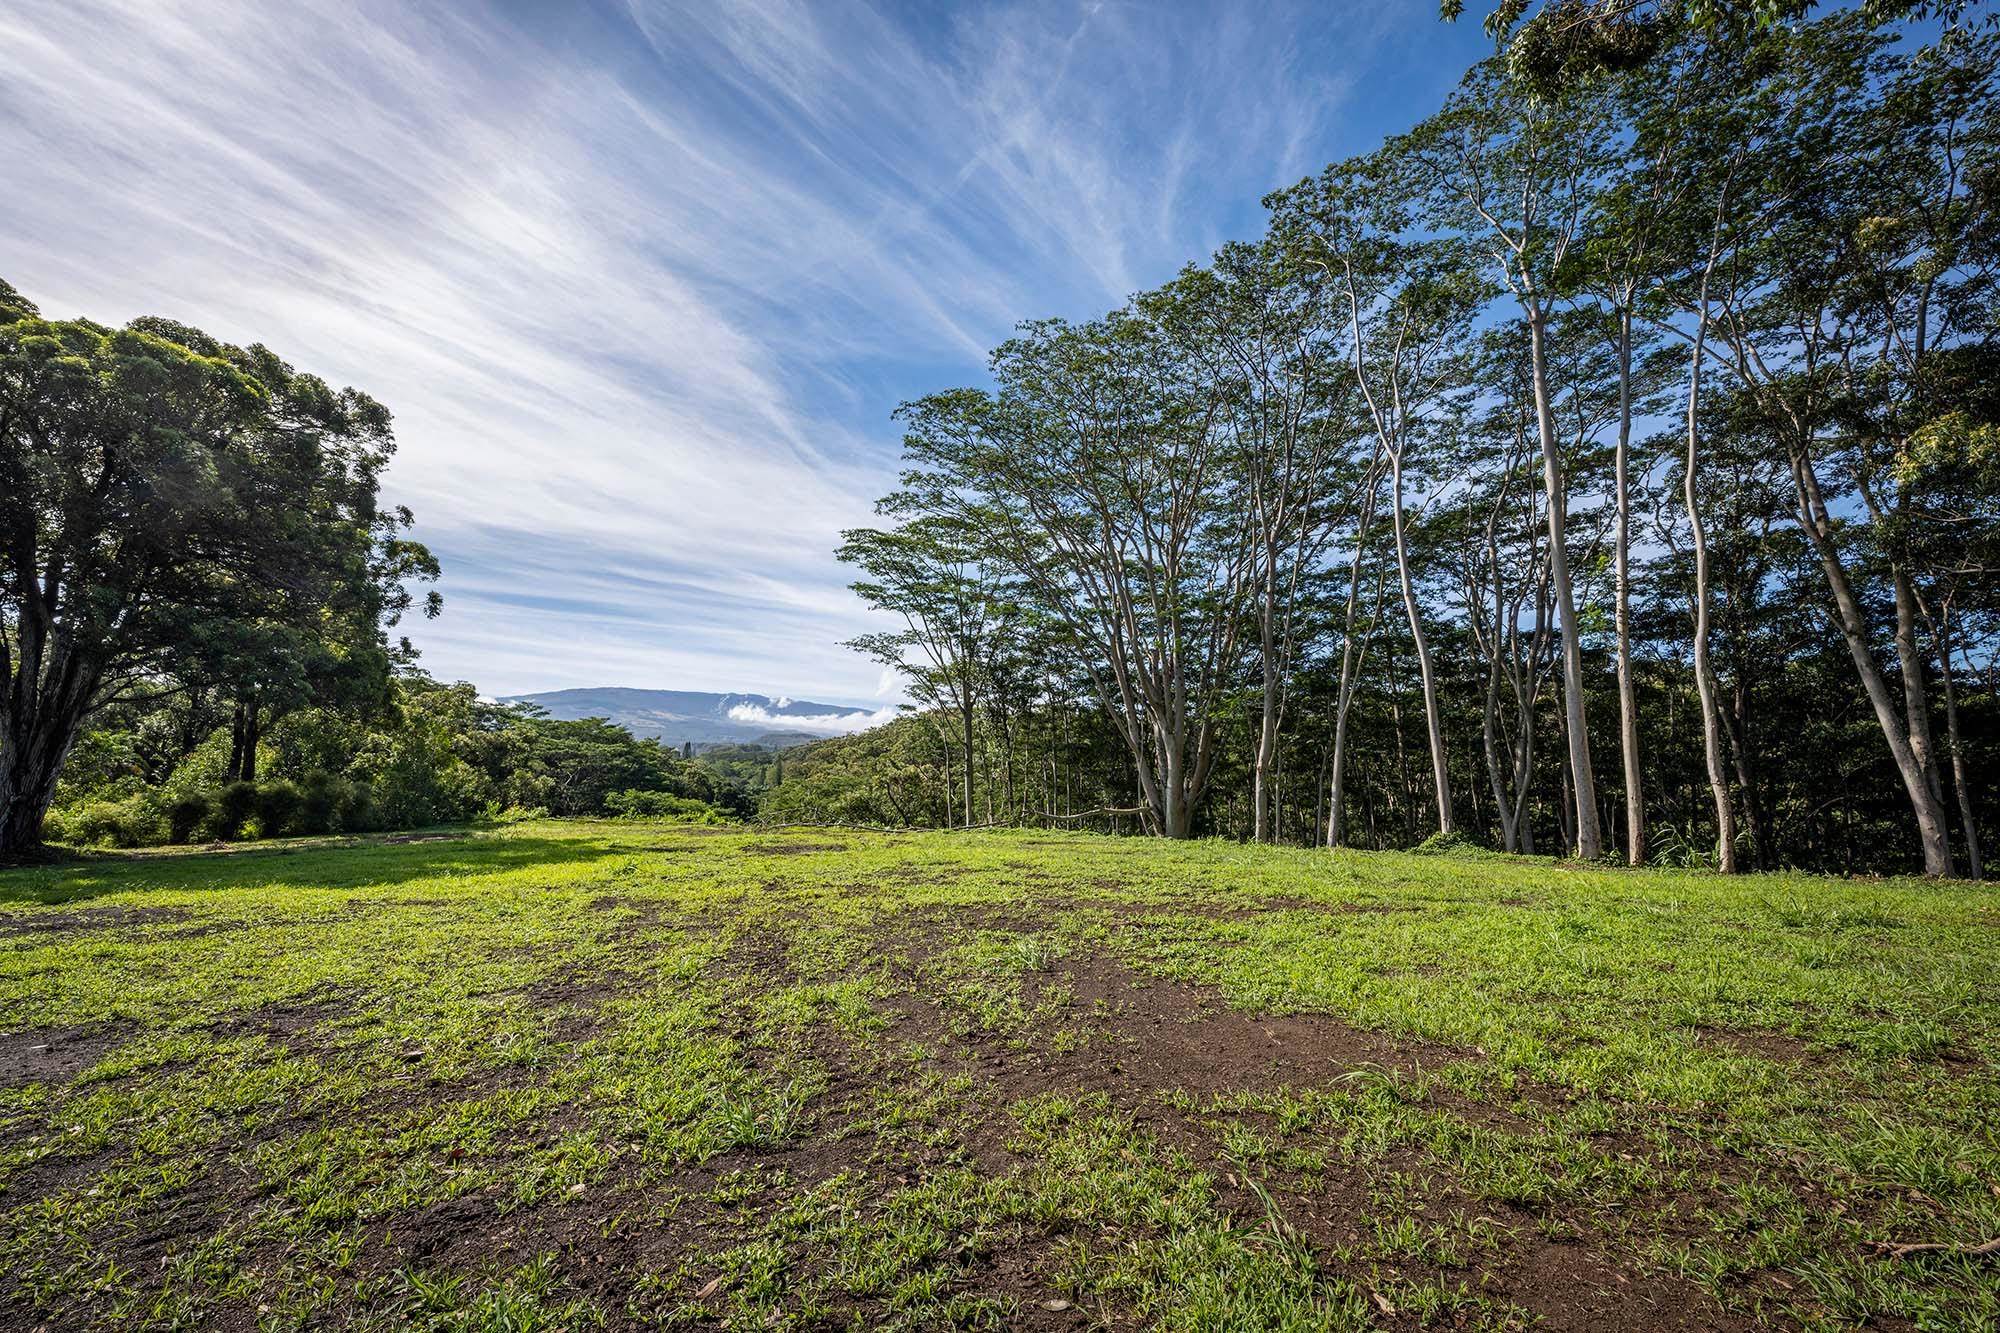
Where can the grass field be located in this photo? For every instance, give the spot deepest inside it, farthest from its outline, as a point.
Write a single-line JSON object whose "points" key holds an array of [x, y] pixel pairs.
{"points": [[569, 1076]]}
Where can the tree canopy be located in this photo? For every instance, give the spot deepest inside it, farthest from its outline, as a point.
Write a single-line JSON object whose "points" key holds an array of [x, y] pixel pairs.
{"points": [[176, 510], [1654, 399]]}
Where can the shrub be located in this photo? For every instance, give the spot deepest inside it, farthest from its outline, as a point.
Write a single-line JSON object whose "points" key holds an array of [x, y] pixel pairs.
{"points": [[636, 804], [495, 813], [320, 797], [357, 811], [234, 805], [136, 821], [277, 809], [185, 816]]}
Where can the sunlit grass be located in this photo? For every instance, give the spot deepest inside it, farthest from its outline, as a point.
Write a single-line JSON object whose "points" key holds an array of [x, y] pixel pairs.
{"points": [[559, 1075]]}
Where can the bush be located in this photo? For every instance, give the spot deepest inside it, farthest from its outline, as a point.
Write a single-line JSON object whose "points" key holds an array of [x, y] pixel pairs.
{"points": [[185, 816], [136, 821], [495, 813], [277, 809], [319, 802], [357, 811], [1446, 844], [234, 805], [636, 804]]}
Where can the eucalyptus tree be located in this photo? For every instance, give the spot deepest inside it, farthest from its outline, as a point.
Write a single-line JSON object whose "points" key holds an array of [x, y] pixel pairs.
{"points": [[1919, 303], [1517, 175], [1408, 302], [1355, 637], [1501, 560], [1259, 332], [1664, 236], [1632, 230], [1101, 473], [1954, 460], [927, 570], [158, 490]]}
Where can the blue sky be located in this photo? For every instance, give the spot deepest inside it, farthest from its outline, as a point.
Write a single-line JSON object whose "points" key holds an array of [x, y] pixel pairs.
{"points": [[643, 281]]}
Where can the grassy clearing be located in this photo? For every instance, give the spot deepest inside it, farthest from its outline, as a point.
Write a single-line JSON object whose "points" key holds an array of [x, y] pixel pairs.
{"points": [[615, 1075]]}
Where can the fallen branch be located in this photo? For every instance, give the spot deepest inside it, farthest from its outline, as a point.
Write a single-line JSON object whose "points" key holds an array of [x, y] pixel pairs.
{"points": [[1891, 1250]]}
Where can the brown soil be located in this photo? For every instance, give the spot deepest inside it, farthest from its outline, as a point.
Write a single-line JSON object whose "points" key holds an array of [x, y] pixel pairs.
{"points": [[78, 919], [1762, 1043], [56, 1055], [1149, 1036]]}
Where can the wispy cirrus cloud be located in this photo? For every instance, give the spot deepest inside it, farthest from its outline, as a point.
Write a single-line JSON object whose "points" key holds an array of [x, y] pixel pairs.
{"points": [[642, 280]]}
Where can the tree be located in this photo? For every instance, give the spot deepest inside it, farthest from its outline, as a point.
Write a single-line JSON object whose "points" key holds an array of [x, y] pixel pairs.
{"points": [[1099, 472], [1266, 342], [1807, 275], [1519, 174], [157, 488], [1408, 306], [927, 572]]}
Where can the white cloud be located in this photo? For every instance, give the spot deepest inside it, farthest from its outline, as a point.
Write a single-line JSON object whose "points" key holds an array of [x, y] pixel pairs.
{"points": [[838, 724]]}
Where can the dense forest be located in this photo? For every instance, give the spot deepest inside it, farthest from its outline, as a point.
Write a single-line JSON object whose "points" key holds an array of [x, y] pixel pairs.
{"points": [[1606, 466]]}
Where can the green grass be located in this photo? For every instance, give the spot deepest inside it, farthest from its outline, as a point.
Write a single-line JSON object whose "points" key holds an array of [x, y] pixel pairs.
{"points": [[621, 1075]]}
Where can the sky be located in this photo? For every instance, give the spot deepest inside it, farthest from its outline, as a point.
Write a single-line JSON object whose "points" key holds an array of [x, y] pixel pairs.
{"points": [[643, 281]]}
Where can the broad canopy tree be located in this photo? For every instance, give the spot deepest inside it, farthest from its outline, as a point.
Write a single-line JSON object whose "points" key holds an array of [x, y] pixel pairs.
{"points": [[1100, 473], [173, 508]]}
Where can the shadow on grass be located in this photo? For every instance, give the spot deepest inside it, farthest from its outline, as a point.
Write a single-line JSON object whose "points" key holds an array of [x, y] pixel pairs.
{"points": [[333, 863]]}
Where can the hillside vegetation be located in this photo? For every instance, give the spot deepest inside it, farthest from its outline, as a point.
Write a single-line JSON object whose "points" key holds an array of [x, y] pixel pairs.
{"points": [[579, 1075]]}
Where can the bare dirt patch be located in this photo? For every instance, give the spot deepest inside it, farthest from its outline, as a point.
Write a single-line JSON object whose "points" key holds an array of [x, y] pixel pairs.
{"points": [[56, 1055], [291, 1023], [1763, 1043], [84, 919], [1146, 1038]]}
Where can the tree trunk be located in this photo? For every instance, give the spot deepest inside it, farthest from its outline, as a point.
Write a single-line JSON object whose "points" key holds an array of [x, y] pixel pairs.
{"points": [[965, 732], [1589, 838], [944, 749], [1916, 692], [28, 772], [1961, 784], [1176, 819], [1490, 740], [1704, 672], [1628, 695], [1267, 735], [1756, 827], [41, 715], [1350, 661], [1433, 720], [1924, 799], [252, 735]]}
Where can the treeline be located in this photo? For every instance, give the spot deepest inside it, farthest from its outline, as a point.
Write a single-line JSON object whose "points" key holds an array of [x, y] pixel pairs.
{"points": [[425, 753], [1606, 468]]}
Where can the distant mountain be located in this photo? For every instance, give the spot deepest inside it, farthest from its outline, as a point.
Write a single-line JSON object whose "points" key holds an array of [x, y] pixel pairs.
{"points": [[677, 717]]}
